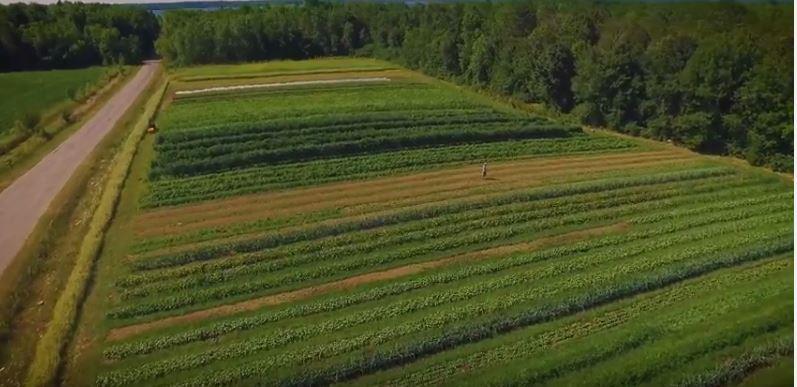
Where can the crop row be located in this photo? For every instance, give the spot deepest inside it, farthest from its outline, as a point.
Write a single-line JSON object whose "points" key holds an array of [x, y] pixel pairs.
{"points": [[189, 163], [275, 239], [430, 240], [332, 122], [199, 133], [355, 264], [381, 238], [601, 251], [487, 306], [399, 355], [665, 351], [715, 215], [613, 285], [285, 140], [183, 190], [766, 353], [442, 224], [674, 305], [149, 244], [214, 270]]}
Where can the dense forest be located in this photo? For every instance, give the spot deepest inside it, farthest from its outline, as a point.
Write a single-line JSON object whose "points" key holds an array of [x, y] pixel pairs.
{"points": [[714, 77], [71, 35]]}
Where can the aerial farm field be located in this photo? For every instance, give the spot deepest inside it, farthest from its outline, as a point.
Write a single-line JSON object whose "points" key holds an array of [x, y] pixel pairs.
{"points": [[331, 225]]}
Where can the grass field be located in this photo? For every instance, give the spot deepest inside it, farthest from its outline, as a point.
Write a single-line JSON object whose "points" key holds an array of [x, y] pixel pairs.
{"points": [[38, 91], [342, 233]]}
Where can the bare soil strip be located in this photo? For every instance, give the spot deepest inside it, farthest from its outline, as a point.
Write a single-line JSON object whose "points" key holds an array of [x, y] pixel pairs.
{"points": [[284, 84], [352, 282], [355, 198]]}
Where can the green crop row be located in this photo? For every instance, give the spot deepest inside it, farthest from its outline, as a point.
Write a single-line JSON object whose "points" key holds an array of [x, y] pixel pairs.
{"points": [[183, 190], [663, 351], [452, 338], [291, 90], [356, 264], [599, 255], [491, 231], [736, 369], [150, 245], [384, 237], [189, 163], [274, 141], [635, 282], [417, 243], [260, 107], [275, 239], [253, 345], [676, 350], [357, 242], [736, 287], [719, 212], [318, 125]]}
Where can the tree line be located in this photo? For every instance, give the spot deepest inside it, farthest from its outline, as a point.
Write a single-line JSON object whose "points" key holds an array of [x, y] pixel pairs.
{"points": [[72, 35], [714, 77]]}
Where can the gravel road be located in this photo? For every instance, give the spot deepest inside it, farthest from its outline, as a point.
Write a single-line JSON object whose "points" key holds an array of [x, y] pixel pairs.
{"points": [[26, 199]]}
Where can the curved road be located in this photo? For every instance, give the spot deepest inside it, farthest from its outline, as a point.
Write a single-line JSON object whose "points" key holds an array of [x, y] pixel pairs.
{"points": [[26, 199]]}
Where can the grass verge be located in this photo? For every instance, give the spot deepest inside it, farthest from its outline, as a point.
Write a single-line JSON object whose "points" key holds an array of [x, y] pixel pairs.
{"points": [[33, 281]]}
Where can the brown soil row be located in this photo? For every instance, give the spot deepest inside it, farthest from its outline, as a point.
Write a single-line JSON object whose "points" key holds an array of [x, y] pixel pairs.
{"points": [[364, 198], [352, 282]]}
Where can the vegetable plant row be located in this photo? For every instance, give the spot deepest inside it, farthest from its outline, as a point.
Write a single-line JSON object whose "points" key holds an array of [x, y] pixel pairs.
{"points": [[172, 191], [642, 276], [604, 250]]}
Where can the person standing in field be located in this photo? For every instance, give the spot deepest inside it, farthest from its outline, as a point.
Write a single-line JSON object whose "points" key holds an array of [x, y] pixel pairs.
{"points": [[484, 171]]}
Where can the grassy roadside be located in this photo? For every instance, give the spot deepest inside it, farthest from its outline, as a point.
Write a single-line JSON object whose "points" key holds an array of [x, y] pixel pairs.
{"points": [[30, 286], [47, 359], [84, 349], [25, 155]]}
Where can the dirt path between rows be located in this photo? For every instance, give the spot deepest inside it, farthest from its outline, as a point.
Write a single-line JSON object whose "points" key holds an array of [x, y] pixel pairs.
{"points": [[26, 199], [351, 282]]}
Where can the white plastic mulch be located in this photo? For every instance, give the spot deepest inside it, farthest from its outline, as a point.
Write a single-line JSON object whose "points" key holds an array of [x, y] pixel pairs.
{"points": [[283, 84]]}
